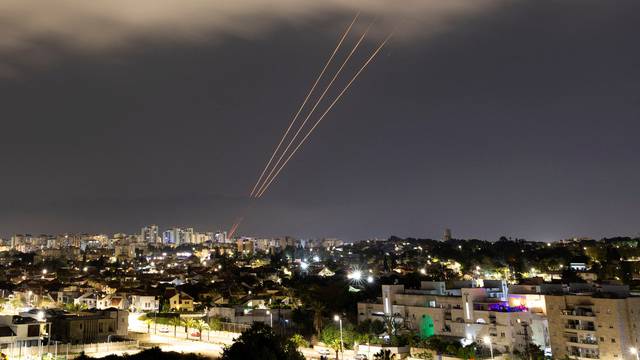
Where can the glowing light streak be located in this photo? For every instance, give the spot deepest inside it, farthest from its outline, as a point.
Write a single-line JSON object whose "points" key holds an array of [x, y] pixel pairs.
{"points": [[364, 66], [315, 106], [295, 118]]}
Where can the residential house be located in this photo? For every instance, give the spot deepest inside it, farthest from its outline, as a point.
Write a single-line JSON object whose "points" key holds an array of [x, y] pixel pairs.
{"points": [[117, 301], [143, 303], [178, 300], [88, 299]]}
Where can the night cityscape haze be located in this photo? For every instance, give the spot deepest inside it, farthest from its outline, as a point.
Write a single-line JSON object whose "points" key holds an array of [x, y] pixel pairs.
{"points": [[297, 179]]}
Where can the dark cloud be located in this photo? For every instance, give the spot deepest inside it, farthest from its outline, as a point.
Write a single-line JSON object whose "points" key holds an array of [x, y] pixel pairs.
{"points": [[104, 25]]}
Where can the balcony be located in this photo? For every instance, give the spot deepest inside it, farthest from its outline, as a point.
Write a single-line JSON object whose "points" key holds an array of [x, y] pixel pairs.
{"points": [[585, 344], [578, 314], [578, 325], [583, 356]]}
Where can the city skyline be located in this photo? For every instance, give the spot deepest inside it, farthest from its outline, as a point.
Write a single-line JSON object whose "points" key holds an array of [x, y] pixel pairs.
{"points": [[489, 121]]}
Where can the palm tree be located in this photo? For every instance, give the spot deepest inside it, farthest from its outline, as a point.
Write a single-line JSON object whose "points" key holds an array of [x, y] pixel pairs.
{"points": [[148, 322], [188, 323], [76, 308], [336, 345], [175, 322], [384, 355], [201, 325], [318, 308], [299, 341]]}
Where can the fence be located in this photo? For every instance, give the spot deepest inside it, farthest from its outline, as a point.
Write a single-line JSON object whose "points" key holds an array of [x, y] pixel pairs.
{"points": [[233, 327], [64, 351]]}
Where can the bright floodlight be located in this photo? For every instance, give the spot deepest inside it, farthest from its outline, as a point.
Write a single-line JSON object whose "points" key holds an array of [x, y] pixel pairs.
{"points": [[423, 271], [486, 339], [316, 258], [44, 271], [357, 275], [369, 279], [633, 350], [40, 315], [336, 317], [304, 265]]}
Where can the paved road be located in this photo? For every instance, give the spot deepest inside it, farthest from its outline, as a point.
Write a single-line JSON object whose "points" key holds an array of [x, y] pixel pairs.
{"points": [[212, 341], [182, 345]]}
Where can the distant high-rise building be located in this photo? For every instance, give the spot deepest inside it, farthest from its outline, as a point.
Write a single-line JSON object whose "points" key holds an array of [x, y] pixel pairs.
{"points": [[188, 236], [150, 234], [447, 234], [201, 238], [220, 237], [171, 236], [177, 236]]}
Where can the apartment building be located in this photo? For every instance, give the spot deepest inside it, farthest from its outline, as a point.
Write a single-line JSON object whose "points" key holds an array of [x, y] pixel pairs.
{"points": [[468, 310], [604, 324]]}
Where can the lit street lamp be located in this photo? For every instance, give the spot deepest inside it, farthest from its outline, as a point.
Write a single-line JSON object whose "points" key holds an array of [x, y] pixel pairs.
{"points": [[487, 341], [270, 318], [339, 320], [355, 275]]}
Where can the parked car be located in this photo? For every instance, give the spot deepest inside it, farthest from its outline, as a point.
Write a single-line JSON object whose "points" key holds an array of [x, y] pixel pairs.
{"points": [[164, 330], [195, 334], [360, 357]]}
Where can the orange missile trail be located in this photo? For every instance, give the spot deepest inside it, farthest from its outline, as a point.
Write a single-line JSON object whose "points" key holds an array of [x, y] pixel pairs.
{"points": [[373, 55], [306, 99], [235, 227], [315, 106], [240, 218]]}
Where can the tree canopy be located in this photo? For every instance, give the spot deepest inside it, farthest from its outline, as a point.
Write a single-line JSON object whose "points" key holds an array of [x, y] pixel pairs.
{"points": [[260, 343]]}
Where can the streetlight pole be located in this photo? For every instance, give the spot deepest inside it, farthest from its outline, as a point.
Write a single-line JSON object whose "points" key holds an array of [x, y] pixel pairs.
{"points": [[270, 318], [487, 340], [339, 320]]}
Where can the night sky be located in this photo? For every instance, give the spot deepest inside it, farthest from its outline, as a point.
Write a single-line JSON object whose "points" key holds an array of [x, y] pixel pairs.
{"points": [[516, 118]]}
